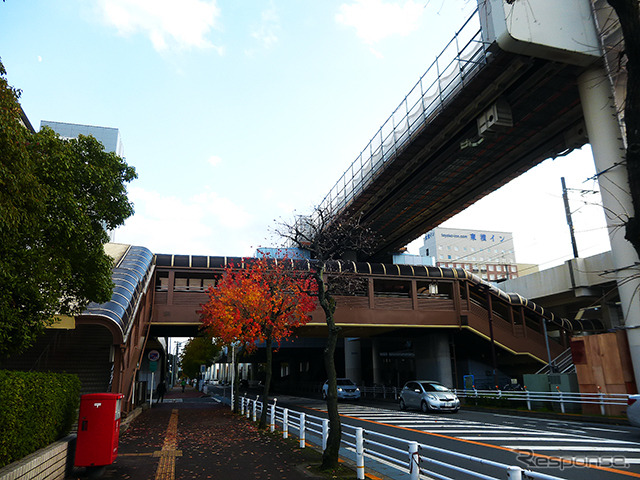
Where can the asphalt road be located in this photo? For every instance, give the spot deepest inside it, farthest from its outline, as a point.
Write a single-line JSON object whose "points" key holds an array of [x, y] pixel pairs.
{"points": [[565, 449]]}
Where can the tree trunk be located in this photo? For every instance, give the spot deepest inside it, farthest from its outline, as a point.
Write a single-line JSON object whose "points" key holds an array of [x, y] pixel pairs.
{"points": [[236, 383], [267, 384], [330, 454], [629, 15]]}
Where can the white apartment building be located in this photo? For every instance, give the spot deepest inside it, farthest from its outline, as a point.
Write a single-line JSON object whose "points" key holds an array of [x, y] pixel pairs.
{"points": [[488, 254]]}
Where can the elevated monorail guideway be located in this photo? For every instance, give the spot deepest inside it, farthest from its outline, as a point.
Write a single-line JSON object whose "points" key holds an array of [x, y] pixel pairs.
{"points": [[500, 98], [497, 101]]}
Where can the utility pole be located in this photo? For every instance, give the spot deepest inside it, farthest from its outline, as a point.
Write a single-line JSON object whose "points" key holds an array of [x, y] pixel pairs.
{"points": [[567, 212]]}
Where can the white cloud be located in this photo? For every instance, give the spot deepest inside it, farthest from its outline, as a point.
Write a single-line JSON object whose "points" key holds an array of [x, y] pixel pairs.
{"points": [[182, 24], [266, 33], [375, 20], [214, 160], [203, 224]]}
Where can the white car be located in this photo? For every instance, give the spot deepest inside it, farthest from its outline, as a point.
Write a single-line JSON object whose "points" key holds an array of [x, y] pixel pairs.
{"points": [[633, 410], [428, 396], [347, 390]]}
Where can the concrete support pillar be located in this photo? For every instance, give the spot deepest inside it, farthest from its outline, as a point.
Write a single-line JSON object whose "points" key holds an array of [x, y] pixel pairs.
{"points": [[352, 359], [433, 359], [606, 142], [375, 360]]}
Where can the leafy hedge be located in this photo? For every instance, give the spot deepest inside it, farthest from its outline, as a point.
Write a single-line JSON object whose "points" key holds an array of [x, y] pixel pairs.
{"points": [[36, 409]]}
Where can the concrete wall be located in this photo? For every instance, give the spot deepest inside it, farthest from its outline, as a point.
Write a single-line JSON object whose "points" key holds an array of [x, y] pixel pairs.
{"points": [[49, 463], [587, 272]]}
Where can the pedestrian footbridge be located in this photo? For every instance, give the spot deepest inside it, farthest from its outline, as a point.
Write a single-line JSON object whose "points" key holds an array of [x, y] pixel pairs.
{"points": [[398, 299]]}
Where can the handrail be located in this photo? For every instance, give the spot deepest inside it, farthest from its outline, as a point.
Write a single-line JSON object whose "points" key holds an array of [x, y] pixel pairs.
{"points": [[429, 95], [600, 398]]}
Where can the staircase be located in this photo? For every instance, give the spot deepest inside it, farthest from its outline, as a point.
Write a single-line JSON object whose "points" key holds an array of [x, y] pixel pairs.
{"points": [[563, 363], [84, 351]]}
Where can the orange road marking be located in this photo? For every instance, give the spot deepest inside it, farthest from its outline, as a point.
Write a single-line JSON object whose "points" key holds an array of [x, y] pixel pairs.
{"points": [[372, 477]]}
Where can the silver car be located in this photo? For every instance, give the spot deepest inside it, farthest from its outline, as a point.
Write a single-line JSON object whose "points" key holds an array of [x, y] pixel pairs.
{"points": [[428, 396], [347, 390]]}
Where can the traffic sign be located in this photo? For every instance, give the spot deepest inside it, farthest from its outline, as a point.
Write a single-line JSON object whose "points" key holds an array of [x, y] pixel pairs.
{"points": [[154, 355]]}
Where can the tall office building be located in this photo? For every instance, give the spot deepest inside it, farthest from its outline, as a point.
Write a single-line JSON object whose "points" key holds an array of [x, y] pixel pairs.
{"points": [[488, 254], [109, 137]]}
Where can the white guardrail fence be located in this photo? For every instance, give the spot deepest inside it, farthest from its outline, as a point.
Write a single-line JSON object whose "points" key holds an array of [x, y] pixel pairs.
{"points": [[410, 459], [555, 397], [530, 398]]}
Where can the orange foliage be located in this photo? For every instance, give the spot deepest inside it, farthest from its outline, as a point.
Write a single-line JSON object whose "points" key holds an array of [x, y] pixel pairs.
{"points": [[263, 300]]}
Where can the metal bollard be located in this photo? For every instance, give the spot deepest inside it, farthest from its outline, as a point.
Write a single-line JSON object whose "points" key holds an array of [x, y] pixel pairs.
{"points": [[325, 433], [253, 413], [272, 425], [601, 395], [285, 423], [528, 398], [242, 399], [514, 473], [248, 409], [414, 461], [360, 453], [302, 422], [561, 400]]}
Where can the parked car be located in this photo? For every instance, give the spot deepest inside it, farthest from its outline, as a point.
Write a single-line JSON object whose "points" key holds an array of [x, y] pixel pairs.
{"points": [[347, 390], [428, 396], [633, 410]]}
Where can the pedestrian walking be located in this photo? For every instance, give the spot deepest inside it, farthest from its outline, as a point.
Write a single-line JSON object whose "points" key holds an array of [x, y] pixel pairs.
{"points": [[184, 384], [161, 390]]}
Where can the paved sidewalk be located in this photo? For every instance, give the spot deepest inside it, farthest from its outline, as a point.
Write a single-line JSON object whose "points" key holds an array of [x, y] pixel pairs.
{"points": [[193, 436]]}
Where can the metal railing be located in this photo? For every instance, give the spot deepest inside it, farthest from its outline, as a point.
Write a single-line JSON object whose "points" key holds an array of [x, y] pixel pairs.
{"points": [[458, 62], [554, 397], [563, 363], [380, 391], [358, 444]]}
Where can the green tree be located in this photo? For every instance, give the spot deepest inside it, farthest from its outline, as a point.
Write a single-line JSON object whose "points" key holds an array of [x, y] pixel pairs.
{"points": [[56, 199], [198, 351]]}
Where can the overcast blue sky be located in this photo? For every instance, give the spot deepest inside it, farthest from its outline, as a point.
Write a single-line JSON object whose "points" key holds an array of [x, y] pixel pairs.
{"points": [[236, 114]]}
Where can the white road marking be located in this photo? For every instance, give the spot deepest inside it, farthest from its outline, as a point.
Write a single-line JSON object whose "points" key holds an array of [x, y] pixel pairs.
{"points": [[605, 430], [574, 448], [550, 439]]}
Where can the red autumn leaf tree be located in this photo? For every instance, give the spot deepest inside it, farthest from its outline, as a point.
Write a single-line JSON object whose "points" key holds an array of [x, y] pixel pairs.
{"points": [[262, 301]]}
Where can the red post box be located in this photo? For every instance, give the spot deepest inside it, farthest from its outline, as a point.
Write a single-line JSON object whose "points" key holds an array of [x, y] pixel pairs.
{"points": [[98, 429]]}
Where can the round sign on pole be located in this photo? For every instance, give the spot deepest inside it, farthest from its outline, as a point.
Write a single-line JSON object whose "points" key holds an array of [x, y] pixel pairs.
{"points": [[154, 355]]}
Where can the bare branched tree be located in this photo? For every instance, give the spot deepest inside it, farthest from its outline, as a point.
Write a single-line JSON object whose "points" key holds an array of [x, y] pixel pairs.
{"points": [[328, 238]]}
